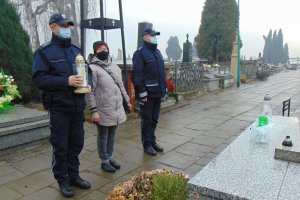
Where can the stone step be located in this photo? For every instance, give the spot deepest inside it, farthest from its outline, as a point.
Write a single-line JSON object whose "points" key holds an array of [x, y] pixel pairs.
{"points": [[24, 127], [21, 115], [11, 136]]}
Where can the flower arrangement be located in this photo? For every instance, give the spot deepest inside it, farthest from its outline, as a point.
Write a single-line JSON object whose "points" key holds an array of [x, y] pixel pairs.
{"points": [[150, 185], [170, 86], [8, 91]]}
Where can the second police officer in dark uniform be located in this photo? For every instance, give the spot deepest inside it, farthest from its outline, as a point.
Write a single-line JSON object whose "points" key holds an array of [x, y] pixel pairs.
{"points": [[148, 77], [52, 72]]}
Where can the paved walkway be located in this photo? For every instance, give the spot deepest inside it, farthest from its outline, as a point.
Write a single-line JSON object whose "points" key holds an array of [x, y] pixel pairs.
{"points": [[191, 136]]}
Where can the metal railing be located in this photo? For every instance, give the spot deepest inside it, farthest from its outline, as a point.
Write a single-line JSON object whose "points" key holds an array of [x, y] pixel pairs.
{"points": [[187, 76]]}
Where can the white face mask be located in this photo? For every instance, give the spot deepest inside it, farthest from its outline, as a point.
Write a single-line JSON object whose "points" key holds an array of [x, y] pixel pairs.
{"points": [[65, 32], [154, 40]]}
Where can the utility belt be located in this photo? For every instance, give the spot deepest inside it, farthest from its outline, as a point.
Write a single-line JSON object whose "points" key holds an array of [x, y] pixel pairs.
{"points": [[48, 97]]}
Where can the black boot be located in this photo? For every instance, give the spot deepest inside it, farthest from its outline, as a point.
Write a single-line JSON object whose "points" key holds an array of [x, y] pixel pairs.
{"points": [[65, 189], [108, 167], [114, 164], [150, 151], [158, 148], [80, 183]]}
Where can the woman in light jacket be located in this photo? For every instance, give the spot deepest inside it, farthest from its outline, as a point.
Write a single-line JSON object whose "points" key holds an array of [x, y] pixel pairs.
{"points": [[106, 102]]}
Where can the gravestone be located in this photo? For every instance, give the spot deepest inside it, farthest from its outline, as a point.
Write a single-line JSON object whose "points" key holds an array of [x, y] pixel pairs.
{"points": [[247, 169], [187, 50], [141, 27], [23, 125]]}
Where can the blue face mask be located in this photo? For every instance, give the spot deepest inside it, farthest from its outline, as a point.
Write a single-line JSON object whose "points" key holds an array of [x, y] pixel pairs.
{"points": [[154, 40], [64, 33]]}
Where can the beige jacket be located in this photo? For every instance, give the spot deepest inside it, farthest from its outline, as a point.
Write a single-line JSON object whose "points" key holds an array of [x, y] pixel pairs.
{"points": [[106, 95]]}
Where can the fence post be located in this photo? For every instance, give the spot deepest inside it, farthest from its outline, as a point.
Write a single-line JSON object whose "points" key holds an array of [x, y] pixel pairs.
{"points": [[175, 75]]}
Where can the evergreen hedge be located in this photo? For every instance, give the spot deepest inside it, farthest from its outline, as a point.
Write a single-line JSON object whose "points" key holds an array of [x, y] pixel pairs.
{"points": [[15, 52]]}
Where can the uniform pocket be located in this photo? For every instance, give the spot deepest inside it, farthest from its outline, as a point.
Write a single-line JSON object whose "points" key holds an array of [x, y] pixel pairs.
{"points": [[59, 64]]}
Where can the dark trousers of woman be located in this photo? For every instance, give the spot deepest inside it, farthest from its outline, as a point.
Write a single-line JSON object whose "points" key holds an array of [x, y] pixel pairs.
{"points": [[67, 138], [149, 112]]}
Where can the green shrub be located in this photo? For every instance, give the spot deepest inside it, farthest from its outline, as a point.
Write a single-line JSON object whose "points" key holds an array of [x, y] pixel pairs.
{"points": [[262, 75], [166, 187], [15, 52]]}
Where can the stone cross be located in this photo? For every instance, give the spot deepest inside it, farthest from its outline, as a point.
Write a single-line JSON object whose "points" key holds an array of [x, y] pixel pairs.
{"points": [[113, 22]]}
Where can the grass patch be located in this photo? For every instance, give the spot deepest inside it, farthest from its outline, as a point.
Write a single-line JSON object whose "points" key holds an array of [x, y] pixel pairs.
{"points": [[166, 187]]}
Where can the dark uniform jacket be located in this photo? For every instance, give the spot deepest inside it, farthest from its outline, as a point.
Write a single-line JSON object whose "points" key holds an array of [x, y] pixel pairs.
{"points": [[148, 75], [52, 66]]}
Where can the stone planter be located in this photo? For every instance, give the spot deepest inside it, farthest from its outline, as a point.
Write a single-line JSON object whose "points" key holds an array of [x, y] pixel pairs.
{"points": [[211, 84], [226, 80]]}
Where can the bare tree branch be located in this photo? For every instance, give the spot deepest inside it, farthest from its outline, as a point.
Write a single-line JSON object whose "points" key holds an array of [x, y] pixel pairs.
{"points": [[42, 8]]}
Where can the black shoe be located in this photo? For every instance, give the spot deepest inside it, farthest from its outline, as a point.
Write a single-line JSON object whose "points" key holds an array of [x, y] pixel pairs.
{"points": [[114, 164], [65, 189], [107, 167], [80, 183], [149, 150], [158, 148]]}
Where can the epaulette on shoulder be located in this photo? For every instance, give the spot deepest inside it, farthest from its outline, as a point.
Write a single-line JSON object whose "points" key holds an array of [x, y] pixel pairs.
{"points": [[45, 45], [42, 47]]}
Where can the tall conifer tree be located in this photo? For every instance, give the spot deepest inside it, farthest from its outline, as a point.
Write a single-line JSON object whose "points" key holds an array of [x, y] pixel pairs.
{"points": [[279, 48], [173, 50], [15, 52], [267, 47], [217, 30]]}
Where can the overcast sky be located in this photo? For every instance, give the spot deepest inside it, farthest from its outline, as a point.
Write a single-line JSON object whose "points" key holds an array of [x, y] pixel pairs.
{"points": [[177, 18]]}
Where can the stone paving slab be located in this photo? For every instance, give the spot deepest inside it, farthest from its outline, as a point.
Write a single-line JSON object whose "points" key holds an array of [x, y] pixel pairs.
{"points": [[32, 183], [177, 160], [8, 173], [239, 106], [7, 193], [33, 164]]}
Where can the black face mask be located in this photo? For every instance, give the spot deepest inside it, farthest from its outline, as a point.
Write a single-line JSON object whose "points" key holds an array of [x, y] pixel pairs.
{"points": [[103, 55]]}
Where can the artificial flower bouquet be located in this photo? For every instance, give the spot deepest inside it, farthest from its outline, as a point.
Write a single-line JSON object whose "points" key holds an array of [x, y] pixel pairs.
{"points": [[170, 87], [8, 91]]}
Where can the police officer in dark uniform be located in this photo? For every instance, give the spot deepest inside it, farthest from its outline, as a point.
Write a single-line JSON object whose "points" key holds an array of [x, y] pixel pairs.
{"points": [[148, 77], [52, 72]]}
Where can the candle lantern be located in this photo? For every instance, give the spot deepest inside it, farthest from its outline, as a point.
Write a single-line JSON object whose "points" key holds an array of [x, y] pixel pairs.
{"points": [[81, 70]]}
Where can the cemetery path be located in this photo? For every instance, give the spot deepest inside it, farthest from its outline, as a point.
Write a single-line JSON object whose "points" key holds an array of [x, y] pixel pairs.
{"points": [[191, 136]]}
